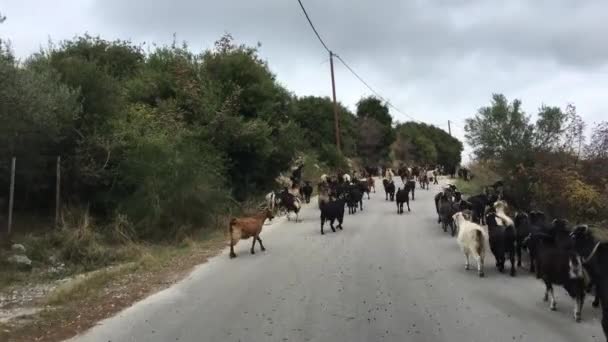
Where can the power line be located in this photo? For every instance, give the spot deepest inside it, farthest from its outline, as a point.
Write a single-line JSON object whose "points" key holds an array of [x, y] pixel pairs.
{"points": [[351, 69], [313, 26], [372, 89], [360, 79]]}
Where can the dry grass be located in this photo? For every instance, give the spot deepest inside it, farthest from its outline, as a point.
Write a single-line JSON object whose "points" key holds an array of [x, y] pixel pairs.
{"points": [[80, 303]]}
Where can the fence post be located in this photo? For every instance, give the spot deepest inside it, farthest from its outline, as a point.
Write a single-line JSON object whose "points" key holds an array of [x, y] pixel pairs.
{"points": [[11, 196], [58, 191]]}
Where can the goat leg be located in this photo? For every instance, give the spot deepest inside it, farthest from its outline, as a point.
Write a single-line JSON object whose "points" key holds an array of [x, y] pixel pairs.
{"points": [[596, 300], [578, 305], [261, 245], [322, 223], [553, 304], [232, 254], [480, 266], [518, 249], [253, 245], [512, 260]]}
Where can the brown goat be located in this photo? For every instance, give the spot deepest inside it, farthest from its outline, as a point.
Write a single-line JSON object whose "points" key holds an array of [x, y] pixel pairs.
{"points": [[371, 183], [245, 227]]}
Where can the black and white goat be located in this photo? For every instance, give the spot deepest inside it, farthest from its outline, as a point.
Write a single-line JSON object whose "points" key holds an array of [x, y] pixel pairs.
{"points": [[556, 266], [502, 241]]}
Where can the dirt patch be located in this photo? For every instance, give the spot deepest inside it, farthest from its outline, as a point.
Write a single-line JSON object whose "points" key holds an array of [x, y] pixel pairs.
{"points": [[56, 317]]}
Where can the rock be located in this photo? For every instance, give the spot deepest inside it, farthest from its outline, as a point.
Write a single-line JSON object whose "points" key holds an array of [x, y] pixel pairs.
{"points": [[18, 248], [21, 261], [53, 260]]}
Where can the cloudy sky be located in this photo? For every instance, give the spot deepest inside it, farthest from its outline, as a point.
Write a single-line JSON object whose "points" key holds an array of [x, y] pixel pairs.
{"points": [[434, 59]]}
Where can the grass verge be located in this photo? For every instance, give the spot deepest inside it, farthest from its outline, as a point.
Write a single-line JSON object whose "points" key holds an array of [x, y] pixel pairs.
{"points": [[79, 303]]}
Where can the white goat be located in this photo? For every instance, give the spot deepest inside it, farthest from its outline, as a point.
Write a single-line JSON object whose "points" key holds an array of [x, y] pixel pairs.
{"points": [[346, 178], [473, 240]]}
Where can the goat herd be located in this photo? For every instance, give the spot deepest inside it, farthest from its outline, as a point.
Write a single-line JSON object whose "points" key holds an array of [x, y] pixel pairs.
{"points": [[559, 254], [334, 194]]}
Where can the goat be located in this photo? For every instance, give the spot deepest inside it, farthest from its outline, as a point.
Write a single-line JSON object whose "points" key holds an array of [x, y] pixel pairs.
{"points": [[402, 197], [411, 185], [331, 211], [272, 200], [473, 240], [354, 198], [389, 189], [363, 187], [306, 191], [446, 211], [595, 261], [502, 241], [245, 227], [523, 228], [323, 190], [479, 203], [290, 203], [371, 184], [424, 181], [559, 267]]}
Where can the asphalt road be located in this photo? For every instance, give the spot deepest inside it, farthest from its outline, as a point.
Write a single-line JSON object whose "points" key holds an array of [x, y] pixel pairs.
{"points": [[385, 277]]}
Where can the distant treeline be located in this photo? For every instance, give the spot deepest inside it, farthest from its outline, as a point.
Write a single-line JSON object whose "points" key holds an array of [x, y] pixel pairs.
{"points": [[170, 137]]}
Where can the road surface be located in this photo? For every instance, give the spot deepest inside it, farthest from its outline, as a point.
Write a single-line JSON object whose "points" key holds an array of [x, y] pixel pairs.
{"points": [[385, 277]]}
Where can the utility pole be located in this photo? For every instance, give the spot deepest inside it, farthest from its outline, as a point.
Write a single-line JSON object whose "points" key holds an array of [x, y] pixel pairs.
{"points": [[449, 128], [333, 89]]}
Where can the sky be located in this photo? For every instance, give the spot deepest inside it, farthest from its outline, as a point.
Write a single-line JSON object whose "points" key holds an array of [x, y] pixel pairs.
{"points": [[435, 60]]}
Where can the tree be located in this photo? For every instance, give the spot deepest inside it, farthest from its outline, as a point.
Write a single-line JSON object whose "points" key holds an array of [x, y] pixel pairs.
{"points": [[375, 133], [500, 131], [370, 145], [429, 145], [315, 115], [503, 131], [372, 107], [37, 116], [598, 147]]}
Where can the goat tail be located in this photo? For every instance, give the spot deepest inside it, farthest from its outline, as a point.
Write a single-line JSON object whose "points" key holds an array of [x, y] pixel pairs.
{"points": [[479, 240]]}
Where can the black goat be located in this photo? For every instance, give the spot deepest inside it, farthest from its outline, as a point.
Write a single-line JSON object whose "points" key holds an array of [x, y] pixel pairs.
{"points": [[524, 228], [559, 267], [363, 187], [402, 197], [389, 189], [411, 186], [446, 211], [306, 191], [479, 204], [354, 198], [502, 242], [332, 211]]}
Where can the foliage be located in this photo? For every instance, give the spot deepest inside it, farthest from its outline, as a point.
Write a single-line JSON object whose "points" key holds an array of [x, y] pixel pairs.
{"points": [[540, 162], [315, 115], [37, 113], [426, 144], [502, 131]]}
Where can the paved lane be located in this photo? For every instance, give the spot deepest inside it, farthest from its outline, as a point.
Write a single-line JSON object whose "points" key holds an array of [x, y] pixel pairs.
{"points": [[384, 278]]}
